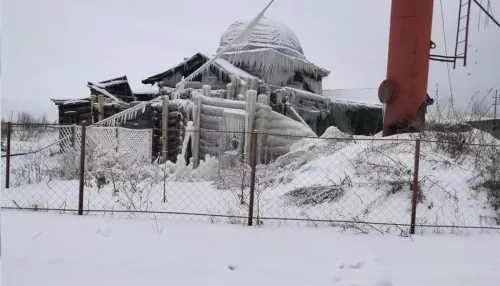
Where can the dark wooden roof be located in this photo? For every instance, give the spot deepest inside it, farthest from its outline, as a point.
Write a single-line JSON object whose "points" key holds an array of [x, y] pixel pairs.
{"points": [[118, 87], [186, 67], [71, 102], [143, 96]]}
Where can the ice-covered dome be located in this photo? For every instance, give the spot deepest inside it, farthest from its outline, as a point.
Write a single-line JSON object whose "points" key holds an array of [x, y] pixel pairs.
{"points": [[266, 34]]}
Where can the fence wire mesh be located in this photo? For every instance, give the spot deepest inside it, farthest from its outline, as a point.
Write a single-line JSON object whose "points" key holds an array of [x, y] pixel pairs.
{"points": [[351, 182], [42, 171]]}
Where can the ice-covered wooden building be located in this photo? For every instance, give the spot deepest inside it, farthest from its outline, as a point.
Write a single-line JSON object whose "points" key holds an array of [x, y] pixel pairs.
{"points": [[116, 94], [265, 83]]}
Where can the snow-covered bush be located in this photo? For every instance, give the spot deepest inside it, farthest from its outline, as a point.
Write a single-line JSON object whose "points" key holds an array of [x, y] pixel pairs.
{"points": [[69, 164], [29, 169], [477, 149], [487, 164], [181, 171], [234, 175]]}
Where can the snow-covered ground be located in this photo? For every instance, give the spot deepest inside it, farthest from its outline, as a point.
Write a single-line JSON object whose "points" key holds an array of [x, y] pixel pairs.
{"points": [[52, 249], [353, 179]]}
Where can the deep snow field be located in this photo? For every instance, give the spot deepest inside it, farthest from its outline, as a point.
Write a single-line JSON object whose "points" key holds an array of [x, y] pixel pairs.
{"points": [[52, 249]]}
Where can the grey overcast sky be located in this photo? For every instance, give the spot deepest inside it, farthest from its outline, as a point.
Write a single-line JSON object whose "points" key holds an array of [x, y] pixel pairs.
{"points": [[52, 48]]}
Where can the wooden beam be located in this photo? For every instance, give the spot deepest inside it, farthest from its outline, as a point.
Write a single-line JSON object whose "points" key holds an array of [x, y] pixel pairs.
{"points": [[92, 102], [195, 140], [100, 104], [164, 129]]}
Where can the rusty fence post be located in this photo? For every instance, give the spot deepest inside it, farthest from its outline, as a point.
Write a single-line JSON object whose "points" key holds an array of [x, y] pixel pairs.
{"points": [[253, 162], [82, 169], [7, 159], [415, 187]]}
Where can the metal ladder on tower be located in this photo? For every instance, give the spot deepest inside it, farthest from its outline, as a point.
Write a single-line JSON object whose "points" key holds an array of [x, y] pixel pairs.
{"points": [[461, 43]]}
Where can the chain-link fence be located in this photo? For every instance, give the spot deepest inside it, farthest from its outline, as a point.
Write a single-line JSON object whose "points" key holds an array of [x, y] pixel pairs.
{"points": [[430, 182]]}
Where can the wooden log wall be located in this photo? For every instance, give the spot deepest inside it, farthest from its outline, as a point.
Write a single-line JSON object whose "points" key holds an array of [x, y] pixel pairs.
{"points": [[76, 113], [176, 129], [214, 133]]}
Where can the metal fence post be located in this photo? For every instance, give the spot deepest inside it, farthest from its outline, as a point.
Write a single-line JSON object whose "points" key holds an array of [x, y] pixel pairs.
{"points": [[117, 139], [253, 155], [7, 159], [415, 187], [82, 169]]}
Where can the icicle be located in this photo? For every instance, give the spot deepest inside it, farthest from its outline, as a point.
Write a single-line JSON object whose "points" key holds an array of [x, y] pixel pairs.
{"points": [[271, 62], [182, 85]]}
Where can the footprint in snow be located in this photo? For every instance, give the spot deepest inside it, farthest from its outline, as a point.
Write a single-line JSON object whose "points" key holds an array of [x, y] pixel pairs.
{"points": [[360, 273], [357, 265]]}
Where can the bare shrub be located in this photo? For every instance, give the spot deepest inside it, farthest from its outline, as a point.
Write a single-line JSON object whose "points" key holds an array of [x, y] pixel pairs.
{"points": [[487, 164], [29, 127], [462, 142], [317, 194], [4, 130]]}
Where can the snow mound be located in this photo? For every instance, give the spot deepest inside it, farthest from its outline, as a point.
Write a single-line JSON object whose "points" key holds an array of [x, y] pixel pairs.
{"points": [[332, 132], [360, 179], [266, 34]]}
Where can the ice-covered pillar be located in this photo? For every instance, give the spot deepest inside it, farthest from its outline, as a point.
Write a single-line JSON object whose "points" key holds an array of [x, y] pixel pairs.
{"points": [[195, 141], [100, 104], [164, 129], [251, 99], [92, 103], [280, 96], [243, 88], [235, 81], [262, 125], [230, 91], [263, 99], [206, 90], [180, 89], [254, 83]]}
